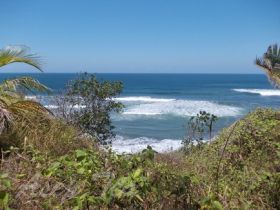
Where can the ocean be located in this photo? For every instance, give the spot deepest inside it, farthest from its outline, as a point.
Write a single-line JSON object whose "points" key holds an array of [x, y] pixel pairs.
{"points": [[158, 106]]}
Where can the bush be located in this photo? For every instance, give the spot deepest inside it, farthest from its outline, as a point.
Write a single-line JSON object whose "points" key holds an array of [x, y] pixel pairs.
{"points": [[86, 179], [240, 169], [88, 104], [45, 134], [242, 165], [198, 128]]}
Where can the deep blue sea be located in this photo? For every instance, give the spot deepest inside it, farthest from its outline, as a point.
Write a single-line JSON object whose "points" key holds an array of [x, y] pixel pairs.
{"points": [[158, 106]]}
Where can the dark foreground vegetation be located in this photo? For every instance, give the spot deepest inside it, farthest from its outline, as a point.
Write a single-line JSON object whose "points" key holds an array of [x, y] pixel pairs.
{"points": [[48, 162], [240, 169]]}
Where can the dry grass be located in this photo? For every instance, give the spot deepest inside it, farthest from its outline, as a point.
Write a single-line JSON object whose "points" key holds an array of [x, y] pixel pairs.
{"points": [[29, 188], [48, 135], [239, 170]]}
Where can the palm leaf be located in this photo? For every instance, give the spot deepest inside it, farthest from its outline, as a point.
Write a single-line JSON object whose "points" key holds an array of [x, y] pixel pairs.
{"points": [[10, 97], [27, 83], [13, 107], [270, 63], [13, 54], [29, 107], [6, 117], [21, 111]]}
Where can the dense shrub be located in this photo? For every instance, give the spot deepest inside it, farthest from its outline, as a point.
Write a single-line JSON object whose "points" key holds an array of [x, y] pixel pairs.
{"points": [[86, 179], [87, 105], [241, 167], [45, 134]]}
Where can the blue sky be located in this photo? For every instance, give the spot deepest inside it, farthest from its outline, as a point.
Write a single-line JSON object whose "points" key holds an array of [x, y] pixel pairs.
{"points": [[146, 36]]}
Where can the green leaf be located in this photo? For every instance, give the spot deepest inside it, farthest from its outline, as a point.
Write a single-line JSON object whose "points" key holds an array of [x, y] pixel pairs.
{"points": [[19, 176], [13, 54], [55, 165], [27, 83], [80, 154], [6, 183], [4, 176], [118, 193], [4, 199], [137, 173], [81, 171], [217, 205]]}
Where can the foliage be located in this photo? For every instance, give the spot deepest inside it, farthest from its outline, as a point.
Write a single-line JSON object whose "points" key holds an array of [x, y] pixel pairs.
{"points": [[5, 186], [13, 54], [48, 135], [54, 167], [270, 63], [92, 179], [88, 103], [13, 86], [239, 170], [12, 102], [241, 167], [198, 127]]}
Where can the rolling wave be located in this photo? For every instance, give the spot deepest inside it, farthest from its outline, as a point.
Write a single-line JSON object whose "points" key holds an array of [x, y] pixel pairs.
{"points": [[134, 145], [262, 92], [150, 106], [143, 99], [155, 106]]}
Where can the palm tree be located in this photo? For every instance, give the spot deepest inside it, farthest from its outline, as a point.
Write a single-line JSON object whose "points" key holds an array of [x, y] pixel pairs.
{"points": [[270, 63], [13, 104]]}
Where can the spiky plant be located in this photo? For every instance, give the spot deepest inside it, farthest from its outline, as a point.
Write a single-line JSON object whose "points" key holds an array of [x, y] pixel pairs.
{"points": [[13, 105], [270, 63]]}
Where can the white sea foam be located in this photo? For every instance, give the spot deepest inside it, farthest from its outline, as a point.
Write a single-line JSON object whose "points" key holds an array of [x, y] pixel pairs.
{"points": [[51, 106], [181, 108], [262, 92], [31, 97], [123, 145], [148, 106], [55, 106], [143, 99]]}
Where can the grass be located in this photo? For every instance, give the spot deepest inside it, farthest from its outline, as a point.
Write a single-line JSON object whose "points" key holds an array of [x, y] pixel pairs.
{"points": [[57, 168], [241, 167], [86, 179]]}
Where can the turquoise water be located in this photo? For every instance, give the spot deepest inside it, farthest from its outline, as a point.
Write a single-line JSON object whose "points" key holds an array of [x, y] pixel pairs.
{"points": [[159, 105]]}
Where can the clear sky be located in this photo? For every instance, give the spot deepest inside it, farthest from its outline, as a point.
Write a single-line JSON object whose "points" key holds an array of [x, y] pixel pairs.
{"points": [[146, 36]]}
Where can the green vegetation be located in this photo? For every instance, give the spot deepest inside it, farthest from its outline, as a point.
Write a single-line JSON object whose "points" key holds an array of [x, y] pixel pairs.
{"points": [[87, 105], [198, 127], [270, 63], [91, 179], [241, 167], [48, 162], [18, 54], [14, 107]]}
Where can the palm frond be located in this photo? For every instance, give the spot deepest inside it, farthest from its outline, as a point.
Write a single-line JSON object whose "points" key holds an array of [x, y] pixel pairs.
{"points": [[29, 107], [275, 50], [13, 54], [6, 118], [270, 63], [263, 63], [10, 97], [27, 83], [21, 111]]}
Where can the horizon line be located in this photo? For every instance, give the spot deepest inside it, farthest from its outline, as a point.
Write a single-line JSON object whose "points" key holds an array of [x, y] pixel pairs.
{"points": [[229, 73]]}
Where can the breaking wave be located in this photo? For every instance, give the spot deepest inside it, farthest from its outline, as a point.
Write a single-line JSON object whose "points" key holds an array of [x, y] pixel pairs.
{"points": [[134, 145], [157, 106], [149, 106], [262, 92], [143, 99]]}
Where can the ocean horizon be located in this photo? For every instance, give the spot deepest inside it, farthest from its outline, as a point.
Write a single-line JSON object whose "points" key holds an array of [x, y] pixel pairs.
{"points": [[158, 106]]}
